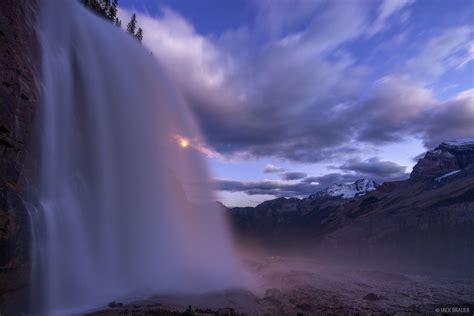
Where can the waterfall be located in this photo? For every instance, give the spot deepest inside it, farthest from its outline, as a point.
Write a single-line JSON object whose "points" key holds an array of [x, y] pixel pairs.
{"points": [[123, 210]]}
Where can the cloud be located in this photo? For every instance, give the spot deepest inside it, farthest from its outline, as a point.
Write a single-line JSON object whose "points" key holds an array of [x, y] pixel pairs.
{"points": [[289, 87], [247, 95], [374, 167], [387, 9], [272, 169], [451, 49], [354, 169], [399, 107], [293, 175], [268, 187], [450, 120], [194, 61], [469, 56], [277, 15], [393, 110]]}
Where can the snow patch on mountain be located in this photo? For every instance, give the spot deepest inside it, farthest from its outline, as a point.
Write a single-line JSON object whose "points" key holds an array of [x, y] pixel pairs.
{"points": [[347, 190], [452, 173]]}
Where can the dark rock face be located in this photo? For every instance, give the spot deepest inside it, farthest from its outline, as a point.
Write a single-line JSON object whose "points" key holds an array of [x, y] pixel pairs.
{"points": [[282, 220], [18, 96], [447, 157], [426, 221], [461, 150]]}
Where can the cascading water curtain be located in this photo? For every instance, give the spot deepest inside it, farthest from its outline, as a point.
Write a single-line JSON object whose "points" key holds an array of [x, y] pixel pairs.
{"points": [[124, 211]]}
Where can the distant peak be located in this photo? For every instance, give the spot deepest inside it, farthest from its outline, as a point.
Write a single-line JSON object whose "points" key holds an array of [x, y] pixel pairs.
{"points": [[347, 190], [448, 157]]}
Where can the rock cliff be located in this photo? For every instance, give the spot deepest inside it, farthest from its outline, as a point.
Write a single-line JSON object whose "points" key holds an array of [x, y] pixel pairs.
{"points": [[18, 96]]}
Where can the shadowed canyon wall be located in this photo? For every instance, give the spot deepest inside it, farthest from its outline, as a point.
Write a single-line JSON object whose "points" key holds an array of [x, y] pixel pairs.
{"points": [[18, 97]]}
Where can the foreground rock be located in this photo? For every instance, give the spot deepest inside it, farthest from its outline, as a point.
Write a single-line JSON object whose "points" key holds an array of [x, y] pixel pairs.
{"points": [[297, 286]]}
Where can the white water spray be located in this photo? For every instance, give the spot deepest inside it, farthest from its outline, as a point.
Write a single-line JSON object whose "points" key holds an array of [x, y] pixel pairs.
{"points": [[118, 196]]}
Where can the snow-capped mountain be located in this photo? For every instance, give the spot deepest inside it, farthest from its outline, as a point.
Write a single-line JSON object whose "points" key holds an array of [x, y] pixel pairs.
{"points": [[445, 160], [347, 190]]}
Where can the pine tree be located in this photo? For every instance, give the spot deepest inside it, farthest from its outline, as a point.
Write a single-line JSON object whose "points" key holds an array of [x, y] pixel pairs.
{"points": [[139, 34], [101, 7], [113, 11], [109, 10], [132, 25]]}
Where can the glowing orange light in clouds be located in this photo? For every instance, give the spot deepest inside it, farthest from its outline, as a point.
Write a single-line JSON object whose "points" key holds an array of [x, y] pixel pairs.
{"points": [[183, 142]]}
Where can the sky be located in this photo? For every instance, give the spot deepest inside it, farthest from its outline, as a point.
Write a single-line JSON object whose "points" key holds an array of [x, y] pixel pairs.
{"points": [[293, 96]]}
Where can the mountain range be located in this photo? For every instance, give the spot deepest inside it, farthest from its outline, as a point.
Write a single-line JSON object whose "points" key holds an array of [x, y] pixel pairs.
{"points": [[424, 221], [347, 190]]}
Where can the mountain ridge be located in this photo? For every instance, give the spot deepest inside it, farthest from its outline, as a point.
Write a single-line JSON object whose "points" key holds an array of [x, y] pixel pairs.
{"points": [[358, 188], [416, 219]]}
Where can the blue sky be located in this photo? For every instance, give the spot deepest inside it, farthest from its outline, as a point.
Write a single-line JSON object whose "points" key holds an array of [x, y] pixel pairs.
{"points": [[334, 90]]}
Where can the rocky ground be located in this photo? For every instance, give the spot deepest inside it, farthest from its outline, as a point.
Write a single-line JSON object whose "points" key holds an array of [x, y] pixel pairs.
{"points": [[295, 286]]}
